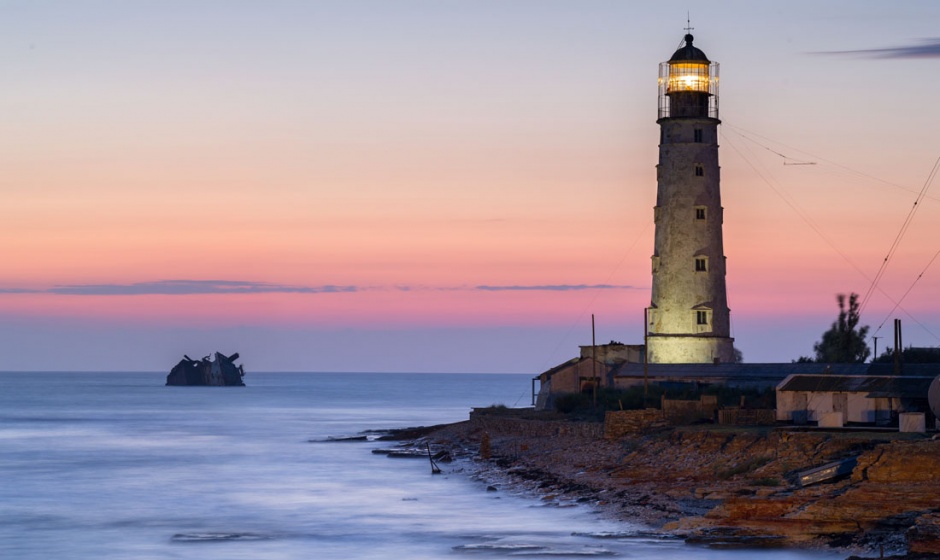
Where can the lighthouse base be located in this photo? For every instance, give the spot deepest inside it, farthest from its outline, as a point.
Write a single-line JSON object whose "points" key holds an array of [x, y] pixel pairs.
{"points": [[690, 349]]}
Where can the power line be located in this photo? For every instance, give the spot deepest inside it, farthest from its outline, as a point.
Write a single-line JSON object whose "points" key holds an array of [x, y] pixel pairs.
{"points": [[779, 192], [748, 135], [919, 276], [900, 235], [809, 222]]}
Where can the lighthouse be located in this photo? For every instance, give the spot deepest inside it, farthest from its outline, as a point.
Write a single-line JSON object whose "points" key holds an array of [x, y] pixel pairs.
{"points": [[688, 318]]}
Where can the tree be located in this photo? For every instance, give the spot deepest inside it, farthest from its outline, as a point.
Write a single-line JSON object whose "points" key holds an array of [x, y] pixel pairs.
{"points": [[911, 355], [844, 343]]}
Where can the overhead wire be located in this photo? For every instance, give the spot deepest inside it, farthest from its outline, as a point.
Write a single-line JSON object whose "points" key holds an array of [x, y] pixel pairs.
{"points": [[897, 240], [911, 287], [750, 135], [778, 190]]}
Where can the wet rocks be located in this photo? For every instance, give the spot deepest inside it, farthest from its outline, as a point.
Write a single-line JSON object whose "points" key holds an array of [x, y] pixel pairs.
{"points": [[727, 487], [924, 536]]}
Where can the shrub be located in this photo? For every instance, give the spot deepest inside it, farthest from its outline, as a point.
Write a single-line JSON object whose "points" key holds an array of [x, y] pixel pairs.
{"points": [[632, 398], [571, 402]]}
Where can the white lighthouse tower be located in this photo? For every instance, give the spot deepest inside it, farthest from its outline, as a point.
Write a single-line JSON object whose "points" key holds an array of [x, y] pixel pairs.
{"points": [[688, 318]]}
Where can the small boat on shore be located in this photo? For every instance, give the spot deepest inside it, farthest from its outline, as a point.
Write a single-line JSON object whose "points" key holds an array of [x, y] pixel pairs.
{"points": [[828, 472]]}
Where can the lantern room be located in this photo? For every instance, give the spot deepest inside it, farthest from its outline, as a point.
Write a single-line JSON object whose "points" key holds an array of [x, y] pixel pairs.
{"points": [[688, 84]]}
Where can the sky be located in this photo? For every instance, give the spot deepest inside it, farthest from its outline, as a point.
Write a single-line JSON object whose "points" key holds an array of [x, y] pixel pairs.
{"points": [[445, 185]]}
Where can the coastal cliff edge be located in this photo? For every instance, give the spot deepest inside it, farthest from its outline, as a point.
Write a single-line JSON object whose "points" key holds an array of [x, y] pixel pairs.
{"points": [[724, 486]]}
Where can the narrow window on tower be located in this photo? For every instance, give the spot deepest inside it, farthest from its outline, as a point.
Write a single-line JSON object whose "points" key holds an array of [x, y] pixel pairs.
{"points": [[701, 317], [698, 135], [699, 170], [699, 212], [701, 264]]}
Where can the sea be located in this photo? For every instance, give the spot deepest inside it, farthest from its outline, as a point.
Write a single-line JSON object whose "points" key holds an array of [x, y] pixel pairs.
{"points": [[119, 466]]}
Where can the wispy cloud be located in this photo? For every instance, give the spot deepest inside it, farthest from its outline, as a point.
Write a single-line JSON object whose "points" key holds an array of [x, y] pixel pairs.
{"points": [[926, 48], [210, 287], [553, 287], [193, 287]]}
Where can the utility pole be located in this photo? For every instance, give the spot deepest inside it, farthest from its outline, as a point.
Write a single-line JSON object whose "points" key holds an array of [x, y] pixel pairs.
{"points": [[898, 345], [875, 355], [594, 359], [646, 354]]}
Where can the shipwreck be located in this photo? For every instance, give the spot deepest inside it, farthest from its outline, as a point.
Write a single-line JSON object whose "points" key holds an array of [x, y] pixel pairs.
{"points": [[220, 372]]}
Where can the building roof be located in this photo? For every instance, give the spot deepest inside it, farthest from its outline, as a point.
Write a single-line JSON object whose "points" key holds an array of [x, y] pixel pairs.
{"points": [[770, 371], [774, 370], [759, 373], [547, 374], [874, 386], [906, 369], [689, 53]]}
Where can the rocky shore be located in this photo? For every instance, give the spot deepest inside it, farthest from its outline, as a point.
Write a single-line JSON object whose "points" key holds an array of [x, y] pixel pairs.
{"points": [[715, 485]]}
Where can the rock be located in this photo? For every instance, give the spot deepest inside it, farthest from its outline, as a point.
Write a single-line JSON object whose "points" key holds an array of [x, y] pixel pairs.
{"points": [[924, 536], [720, 496], [905, 462], [215, 373]]}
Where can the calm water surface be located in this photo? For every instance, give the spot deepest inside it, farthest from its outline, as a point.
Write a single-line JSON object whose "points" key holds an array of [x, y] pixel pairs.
{"points": [[116, 465]]}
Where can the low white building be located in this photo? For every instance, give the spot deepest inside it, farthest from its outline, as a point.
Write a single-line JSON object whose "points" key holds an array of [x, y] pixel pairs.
{"points": [[840, 399]]}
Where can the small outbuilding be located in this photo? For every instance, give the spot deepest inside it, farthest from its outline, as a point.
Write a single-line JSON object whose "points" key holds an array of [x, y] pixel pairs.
{"points": [[861, 399], [579, 375], [592, 369]]}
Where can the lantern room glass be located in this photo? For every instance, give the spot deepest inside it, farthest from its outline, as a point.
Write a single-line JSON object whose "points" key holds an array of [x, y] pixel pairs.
{"points": [[688, 77]]}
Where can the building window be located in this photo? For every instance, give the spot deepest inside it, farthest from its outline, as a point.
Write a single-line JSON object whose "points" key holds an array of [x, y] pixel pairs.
{"points": [[698, 135], [699, 170], [703, 319], [700, 213], [701, 264]]}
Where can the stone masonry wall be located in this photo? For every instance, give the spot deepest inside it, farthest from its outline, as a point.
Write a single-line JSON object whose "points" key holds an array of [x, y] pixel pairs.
{"points": [[747, 417], [618, 423], [680, 412], [503, 425]]}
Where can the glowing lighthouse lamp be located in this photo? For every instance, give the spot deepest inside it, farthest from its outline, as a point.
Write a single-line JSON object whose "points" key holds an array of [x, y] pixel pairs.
{"points": [[688, 84]]}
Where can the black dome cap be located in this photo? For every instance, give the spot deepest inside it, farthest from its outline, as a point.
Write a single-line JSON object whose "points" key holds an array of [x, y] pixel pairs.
{"points": [[688, 52]]}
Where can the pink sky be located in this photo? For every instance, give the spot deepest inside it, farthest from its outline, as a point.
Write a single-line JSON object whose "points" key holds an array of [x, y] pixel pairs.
{"points": [[408, 174]]}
